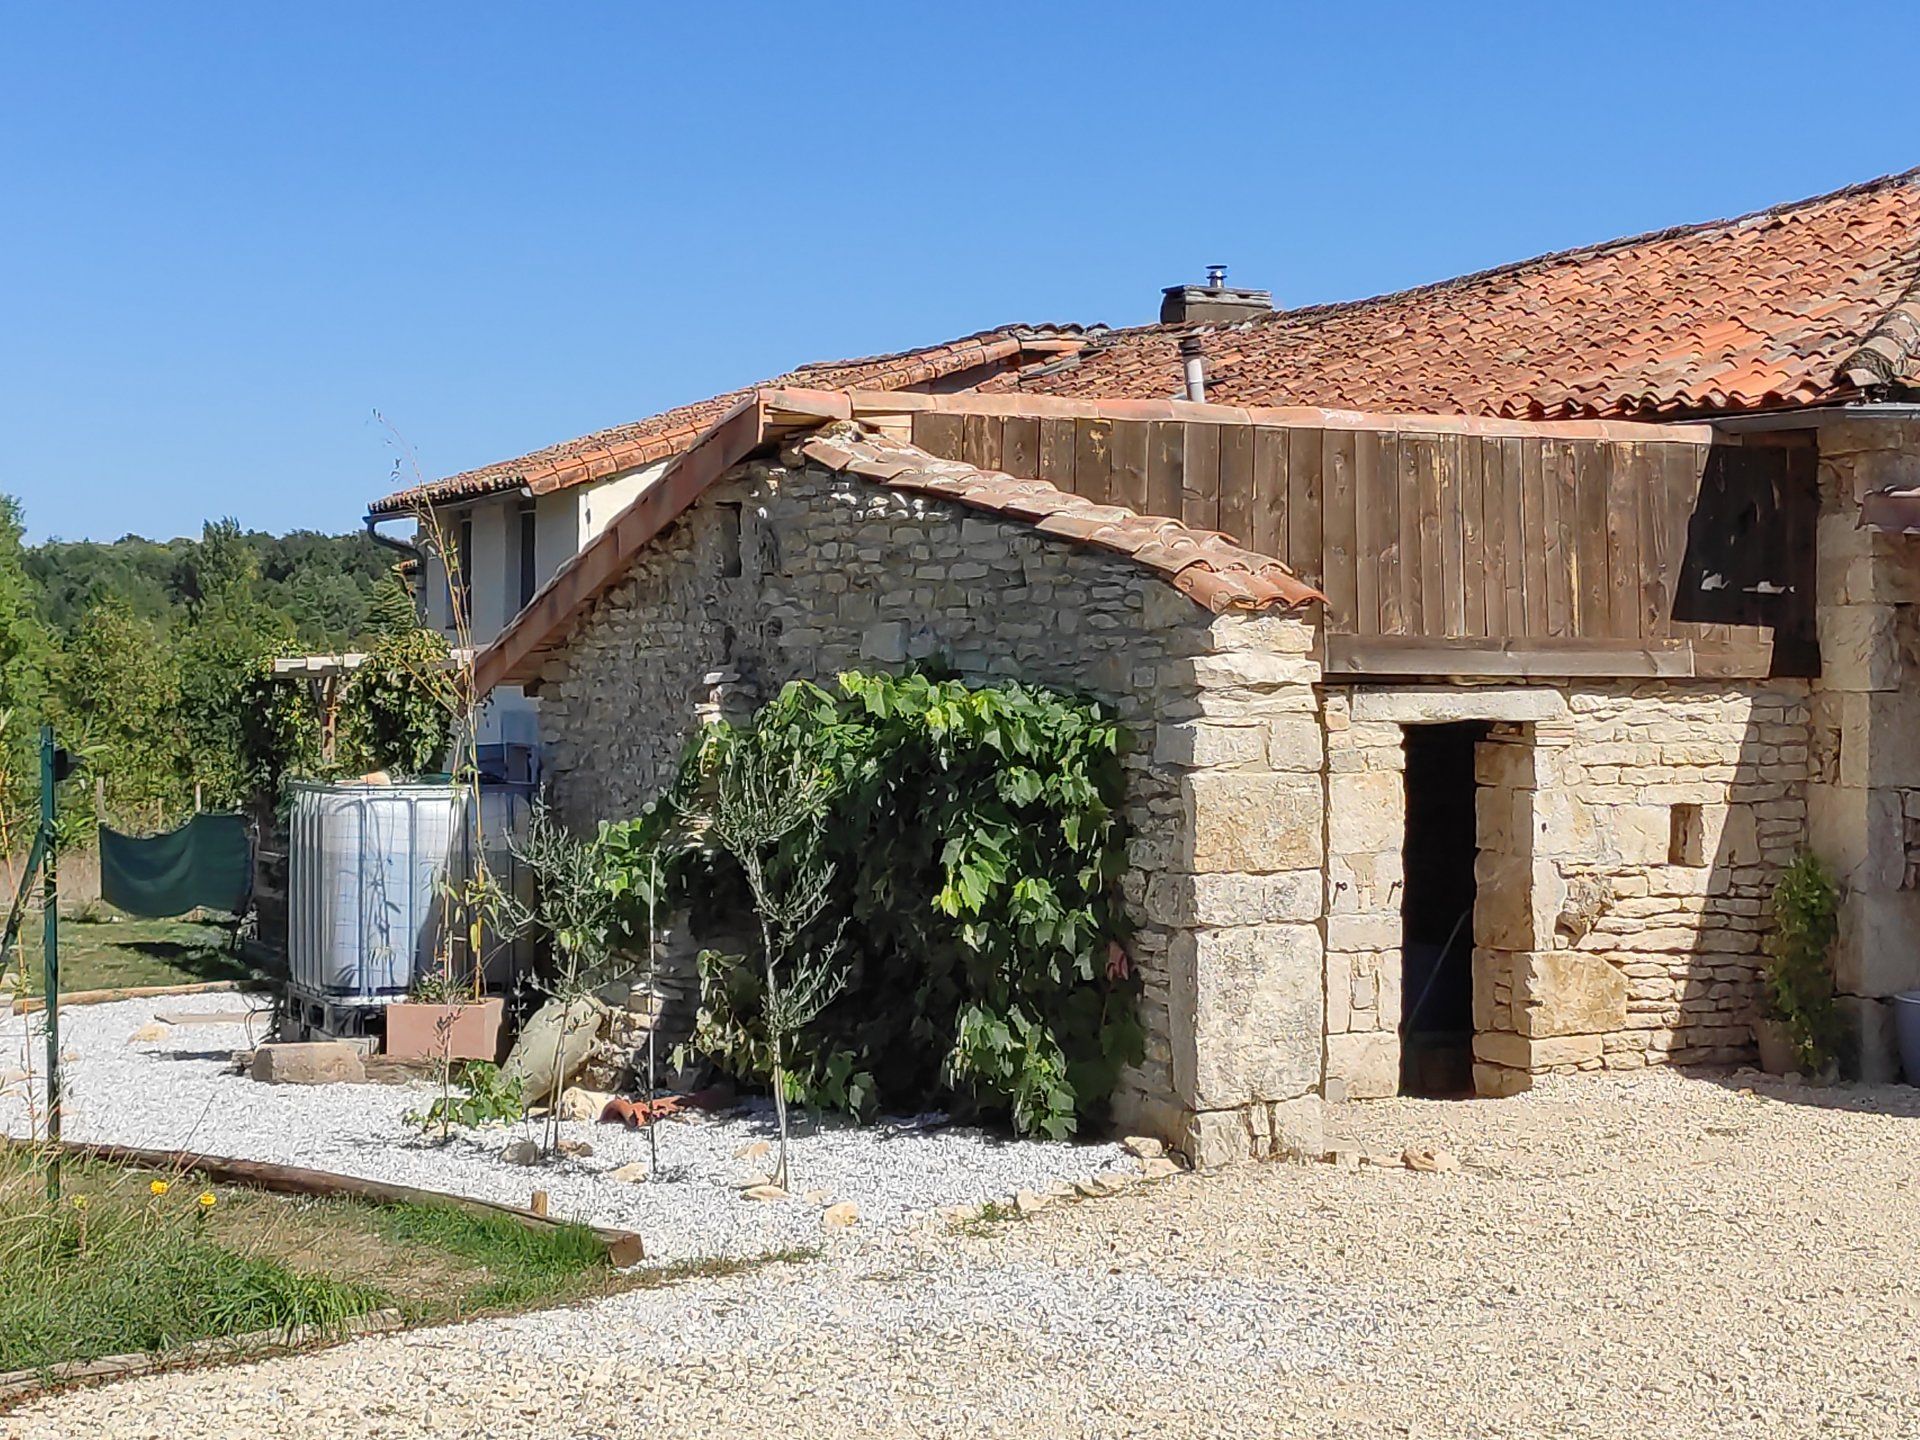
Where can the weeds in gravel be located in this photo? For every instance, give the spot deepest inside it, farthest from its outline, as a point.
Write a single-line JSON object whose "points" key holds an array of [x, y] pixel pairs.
{"points": [[990, 1214], [109, 1273], [719, 1267]]}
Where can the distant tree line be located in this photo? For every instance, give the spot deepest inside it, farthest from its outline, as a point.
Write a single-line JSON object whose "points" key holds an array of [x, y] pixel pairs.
{"points": [[149, 656]]}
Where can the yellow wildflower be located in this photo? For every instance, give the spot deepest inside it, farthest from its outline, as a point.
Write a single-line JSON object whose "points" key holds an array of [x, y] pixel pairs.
{"points": [[206, 1200], [79, 1202], [159, 1187]]}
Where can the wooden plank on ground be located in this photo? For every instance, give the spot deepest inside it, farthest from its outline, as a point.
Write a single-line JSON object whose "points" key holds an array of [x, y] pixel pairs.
{"points": [[1200, 480], [1304, 504], [623, 1246], [1236, 483]]}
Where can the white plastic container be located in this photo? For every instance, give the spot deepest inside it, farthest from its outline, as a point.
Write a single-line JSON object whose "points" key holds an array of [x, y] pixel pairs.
{"points": [[365, 903]]}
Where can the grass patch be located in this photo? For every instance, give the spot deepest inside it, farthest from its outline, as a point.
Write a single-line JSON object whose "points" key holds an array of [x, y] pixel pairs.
{"points": [[103, 952], [521, 1265], [104, 1273]]}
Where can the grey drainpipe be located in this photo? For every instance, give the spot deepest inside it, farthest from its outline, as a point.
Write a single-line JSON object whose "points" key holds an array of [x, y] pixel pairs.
{"points": [[405, 547]]}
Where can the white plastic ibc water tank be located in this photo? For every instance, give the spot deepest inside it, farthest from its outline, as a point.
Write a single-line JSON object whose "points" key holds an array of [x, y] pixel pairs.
{"points": [[364, 885]]}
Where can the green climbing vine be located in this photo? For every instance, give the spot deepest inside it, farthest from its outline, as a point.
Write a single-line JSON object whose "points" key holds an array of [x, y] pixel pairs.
{"points": [[975, 841]]}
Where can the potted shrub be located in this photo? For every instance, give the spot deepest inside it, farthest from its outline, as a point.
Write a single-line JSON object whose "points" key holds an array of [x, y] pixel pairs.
{"points": [[443, 1019], [1799, 1023]]}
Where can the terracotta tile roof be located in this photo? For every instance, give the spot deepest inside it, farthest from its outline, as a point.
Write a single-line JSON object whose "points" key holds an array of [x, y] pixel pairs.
{"points": [[626, 447], [1202, 564], [1796, 305]]}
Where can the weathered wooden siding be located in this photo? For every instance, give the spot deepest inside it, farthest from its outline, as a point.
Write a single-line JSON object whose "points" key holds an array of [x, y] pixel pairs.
{"points": [[1465, 548]]}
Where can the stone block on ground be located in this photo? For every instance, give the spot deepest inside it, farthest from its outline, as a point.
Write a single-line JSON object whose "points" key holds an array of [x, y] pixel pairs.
{"points": [[309, 1062]]}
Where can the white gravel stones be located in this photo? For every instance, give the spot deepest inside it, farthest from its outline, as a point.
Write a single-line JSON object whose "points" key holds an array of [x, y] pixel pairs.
{"points": [[177, 1093]]}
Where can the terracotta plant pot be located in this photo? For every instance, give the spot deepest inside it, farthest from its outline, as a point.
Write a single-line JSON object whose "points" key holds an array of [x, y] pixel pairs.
{"points": [[414, 1030]]}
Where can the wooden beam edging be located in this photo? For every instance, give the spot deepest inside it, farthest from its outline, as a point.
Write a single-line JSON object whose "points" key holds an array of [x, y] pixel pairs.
{"points": [[19, 1385], [623, 1247], [34, 1004]]}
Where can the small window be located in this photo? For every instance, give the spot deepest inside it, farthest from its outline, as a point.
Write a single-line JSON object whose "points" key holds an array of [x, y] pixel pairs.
{"points": [[730, 522], [1686, 836], [460, 581], [529, 574]]}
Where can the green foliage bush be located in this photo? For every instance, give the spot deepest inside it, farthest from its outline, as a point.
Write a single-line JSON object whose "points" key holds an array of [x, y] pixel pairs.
{"points": [[397, 711], [977, 841], [1799, 977]]}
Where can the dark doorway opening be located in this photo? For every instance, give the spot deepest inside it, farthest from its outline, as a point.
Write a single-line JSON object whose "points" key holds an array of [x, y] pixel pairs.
{"points": [[1436, 982]]}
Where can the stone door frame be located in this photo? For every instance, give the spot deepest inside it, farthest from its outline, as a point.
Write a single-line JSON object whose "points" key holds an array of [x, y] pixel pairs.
{"points": [[1365, 876]]}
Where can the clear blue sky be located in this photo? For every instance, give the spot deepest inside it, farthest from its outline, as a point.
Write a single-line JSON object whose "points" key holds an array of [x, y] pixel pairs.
{"points": [[232, 233]]}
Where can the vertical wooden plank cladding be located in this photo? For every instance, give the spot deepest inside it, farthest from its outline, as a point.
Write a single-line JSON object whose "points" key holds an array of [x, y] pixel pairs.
{"points": [[1626, 481], [1236, 482], [1339, 529], [1129, 442], [1432, 469], [1056, 453], [1393, 556], [938, 434], [1493, 536], [1093, 460], [1020, 447], [1541, 536], [1471, 538], [1200, 482], [1304, 502], [1684, 468], [1368, 532], [1556, 484], [1269, 533], [1519, 539], [1166, 466], [1655, 468], [1448, 465], [974, 441], [1591, 605], [1412, 559]]}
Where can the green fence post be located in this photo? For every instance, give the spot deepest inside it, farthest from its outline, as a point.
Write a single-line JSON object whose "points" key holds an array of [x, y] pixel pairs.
{"points": [[50, 900]]}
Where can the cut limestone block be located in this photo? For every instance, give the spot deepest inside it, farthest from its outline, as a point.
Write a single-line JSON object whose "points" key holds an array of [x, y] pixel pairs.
{"points": [[309, 1062]]}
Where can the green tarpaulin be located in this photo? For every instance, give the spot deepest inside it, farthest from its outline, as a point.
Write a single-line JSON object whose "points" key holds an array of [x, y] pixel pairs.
{"points": [[206, 862]]}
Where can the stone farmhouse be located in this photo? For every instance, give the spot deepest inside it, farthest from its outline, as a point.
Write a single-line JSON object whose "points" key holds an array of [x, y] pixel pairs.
{"points": [[1488, 647]]}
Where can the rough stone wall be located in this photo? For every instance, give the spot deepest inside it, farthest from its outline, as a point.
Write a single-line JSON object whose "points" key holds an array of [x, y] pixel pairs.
{"points": [[1863, 794], [781, 574], [1629, 838]]}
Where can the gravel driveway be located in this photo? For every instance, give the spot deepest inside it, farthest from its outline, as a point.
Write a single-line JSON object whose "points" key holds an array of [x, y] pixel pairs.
{"points": [[1653, 1256]]}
